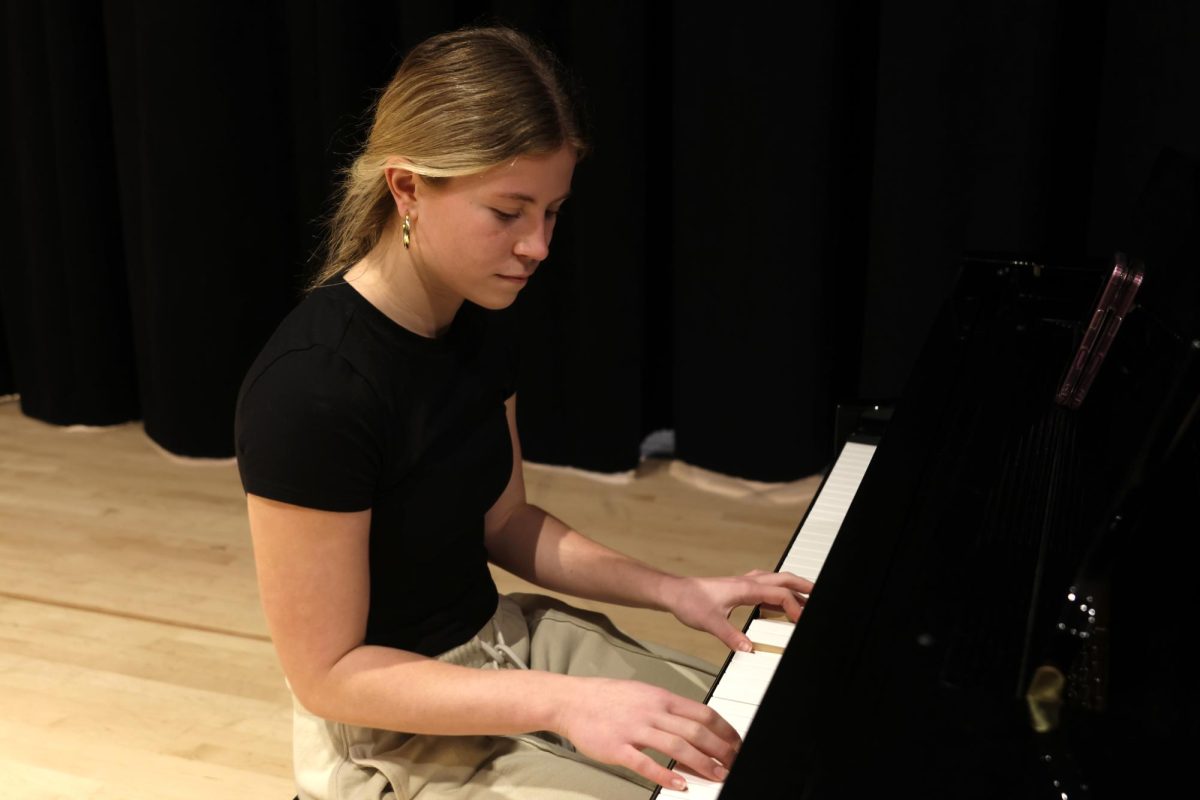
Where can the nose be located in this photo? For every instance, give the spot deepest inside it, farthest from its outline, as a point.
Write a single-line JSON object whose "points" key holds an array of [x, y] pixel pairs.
{"points": [[534, 244]]}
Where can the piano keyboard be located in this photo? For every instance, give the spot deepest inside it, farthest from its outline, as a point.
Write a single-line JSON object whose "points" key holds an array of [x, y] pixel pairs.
{"points": [[744, 680]]}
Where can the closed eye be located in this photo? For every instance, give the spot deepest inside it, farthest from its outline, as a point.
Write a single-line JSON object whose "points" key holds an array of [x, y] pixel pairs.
{"points": [[504, 216]]}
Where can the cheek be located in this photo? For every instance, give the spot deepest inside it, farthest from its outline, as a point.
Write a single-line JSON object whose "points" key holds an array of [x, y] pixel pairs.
{"points": [[466, 237]]}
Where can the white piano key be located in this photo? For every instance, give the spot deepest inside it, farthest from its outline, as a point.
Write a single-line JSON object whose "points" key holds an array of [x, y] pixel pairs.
{"points": [[808, 568], [746, 677], [747, 665], [749, 662], [746, 688], [814, 540], [773, 632], [737, 714]]}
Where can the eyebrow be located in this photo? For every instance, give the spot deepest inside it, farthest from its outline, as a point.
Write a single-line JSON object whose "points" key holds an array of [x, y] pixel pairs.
{"points": [[524, 198]]}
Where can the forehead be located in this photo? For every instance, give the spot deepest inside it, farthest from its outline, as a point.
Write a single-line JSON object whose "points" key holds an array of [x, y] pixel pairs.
{"points": [[539, 179]]}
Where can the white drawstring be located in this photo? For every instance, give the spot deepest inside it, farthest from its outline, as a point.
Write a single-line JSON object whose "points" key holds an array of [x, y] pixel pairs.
{"points": [[501, 649]]}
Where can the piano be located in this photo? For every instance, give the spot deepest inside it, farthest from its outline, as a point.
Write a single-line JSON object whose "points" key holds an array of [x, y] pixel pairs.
{"points": [[1002, 572]]}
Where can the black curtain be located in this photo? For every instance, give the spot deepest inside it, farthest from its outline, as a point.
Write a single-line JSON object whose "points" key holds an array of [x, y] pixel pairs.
{"points": [[770, 219]]}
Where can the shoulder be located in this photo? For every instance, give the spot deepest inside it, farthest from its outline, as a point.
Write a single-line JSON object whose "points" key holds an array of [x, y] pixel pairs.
{"points": [[315, 370], [322, 316], [311, 354], [306, 390], [309, 430]]}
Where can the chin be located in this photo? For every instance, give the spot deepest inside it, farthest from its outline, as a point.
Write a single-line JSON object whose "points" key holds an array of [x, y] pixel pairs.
{"points": [[494, 302]]}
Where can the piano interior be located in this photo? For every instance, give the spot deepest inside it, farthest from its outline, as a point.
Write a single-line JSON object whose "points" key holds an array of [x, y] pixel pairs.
{"points": [[1005, 609]]}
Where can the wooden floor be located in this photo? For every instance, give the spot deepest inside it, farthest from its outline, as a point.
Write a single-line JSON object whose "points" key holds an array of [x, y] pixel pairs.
{"points": [[134, 662]]}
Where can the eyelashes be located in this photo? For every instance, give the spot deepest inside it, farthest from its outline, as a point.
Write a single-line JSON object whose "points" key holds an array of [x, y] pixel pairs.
{"points": [[504, 216]]}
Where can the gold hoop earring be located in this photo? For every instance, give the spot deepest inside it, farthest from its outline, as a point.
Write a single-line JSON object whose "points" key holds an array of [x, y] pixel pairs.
{"points": [[406, 232]]}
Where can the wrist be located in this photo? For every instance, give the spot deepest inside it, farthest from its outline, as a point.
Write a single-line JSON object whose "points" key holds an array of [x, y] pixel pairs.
{"points": [[670, 592], [555, 698]]}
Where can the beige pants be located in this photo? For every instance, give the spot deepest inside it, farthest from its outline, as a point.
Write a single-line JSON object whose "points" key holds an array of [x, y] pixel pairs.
{"points": [[334, 761]]}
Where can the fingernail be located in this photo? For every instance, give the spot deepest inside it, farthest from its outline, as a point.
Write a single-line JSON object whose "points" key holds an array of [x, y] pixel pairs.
{"points": [[745, 647], [721, 773], [679, 784]]}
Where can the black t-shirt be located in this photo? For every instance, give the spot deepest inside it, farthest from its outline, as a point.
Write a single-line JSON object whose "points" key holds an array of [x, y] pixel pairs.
{"points": [[345, 410]]}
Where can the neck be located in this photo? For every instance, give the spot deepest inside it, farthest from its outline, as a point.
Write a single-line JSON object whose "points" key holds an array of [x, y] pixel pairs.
{"points": [[392, 280]]}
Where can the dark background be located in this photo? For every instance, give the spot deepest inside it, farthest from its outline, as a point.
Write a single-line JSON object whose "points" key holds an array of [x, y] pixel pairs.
{"points": [[770, 220]]}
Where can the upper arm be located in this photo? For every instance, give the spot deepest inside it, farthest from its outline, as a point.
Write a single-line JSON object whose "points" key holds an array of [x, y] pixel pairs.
{"points": [[314, 584], [513, 496]]}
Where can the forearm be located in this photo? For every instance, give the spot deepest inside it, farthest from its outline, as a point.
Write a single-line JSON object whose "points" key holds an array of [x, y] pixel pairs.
{"points": [[544, 550], [381, 687], [612, 720]]}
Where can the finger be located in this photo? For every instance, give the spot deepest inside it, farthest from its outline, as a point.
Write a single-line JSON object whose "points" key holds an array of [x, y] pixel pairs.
{"points": [[651, 770], [731, 637], [685, 753], [767, 611], [786, 579], [706, 716], [756, 593], [801, 600], [784, 599], [700, 737], [797, 583]]}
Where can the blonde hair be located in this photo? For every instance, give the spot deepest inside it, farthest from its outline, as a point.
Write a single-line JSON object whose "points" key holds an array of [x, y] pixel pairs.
{"points": [[460, 103]]}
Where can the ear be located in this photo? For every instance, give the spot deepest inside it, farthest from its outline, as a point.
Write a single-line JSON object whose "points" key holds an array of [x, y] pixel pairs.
{"points": [[402, 183]]}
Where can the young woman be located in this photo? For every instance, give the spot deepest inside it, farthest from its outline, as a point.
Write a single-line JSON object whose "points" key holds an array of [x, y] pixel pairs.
{"points": [[377, 443]]}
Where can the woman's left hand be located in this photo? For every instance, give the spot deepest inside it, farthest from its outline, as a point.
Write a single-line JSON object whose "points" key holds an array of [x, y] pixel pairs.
{"points": [[705, 603]]}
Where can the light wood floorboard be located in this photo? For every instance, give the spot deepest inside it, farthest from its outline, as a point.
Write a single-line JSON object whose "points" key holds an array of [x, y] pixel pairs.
{"points": [[134, 659]]}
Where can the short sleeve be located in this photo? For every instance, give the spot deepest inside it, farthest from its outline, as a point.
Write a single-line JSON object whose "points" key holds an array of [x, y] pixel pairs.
{"points": [[308, 431]]}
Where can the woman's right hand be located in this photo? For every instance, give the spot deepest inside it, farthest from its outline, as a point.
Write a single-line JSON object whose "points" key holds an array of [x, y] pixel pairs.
{"points": [[613, 721]]}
